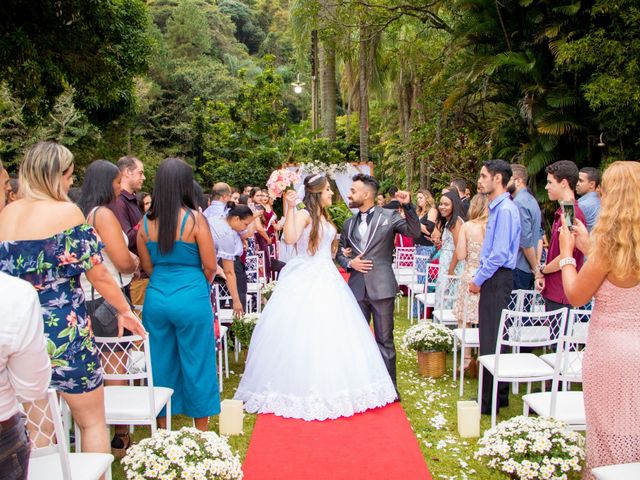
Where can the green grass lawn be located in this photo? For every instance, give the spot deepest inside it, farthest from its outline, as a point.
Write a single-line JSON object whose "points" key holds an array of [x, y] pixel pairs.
{"points": [[429, 403]]}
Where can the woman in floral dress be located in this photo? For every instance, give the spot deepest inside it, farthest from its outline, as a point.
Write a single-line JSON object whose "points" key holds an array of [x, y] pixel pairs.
{"points": [[51, 251]]}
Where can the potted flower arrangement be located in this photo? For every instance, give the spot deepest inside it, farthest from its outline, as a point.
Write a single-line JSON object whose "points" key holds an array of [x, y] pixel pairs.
{"points": [[243, 327], [268, 289], [431, 341], [532, 448], [186, 453]]}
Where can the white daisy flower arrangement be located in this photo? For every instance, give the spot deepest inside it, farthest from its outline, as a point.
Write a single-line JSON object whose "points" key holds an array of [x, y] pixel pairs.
{"points": [[320, 168], [428, 337], [268, 289], [186, 454], [532, 448]]}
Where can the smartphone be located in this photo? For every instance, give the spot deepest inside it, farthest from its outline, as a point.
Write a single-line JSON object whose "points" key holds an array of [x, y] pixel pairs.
{"points": [[569, 213]]}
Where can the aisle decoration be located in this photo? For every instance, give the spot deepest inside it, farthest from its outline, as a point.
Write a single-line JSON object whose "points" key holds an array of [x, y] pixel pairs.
{"points": [[243, 327], [186, 453], [268, 289], [431, 341], [532, 448], [328, 169]]}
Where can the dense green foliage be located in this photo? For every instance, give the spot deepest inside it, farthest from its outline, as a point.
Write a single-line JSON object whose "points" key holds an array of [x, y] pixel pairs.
{"points": [[447, 84]]}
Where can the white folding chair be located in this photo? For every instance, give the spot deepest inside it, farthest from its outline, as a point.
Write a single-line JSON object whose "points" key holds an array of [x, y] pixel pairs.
{"points": [[50, 458], [623, 471], [428, 297], [404, 262], [464, 337], [254, 282], [521, 329], [577, 327], [224, 309], [131, 404], [418, 281], [565, 405], [446, 295]]}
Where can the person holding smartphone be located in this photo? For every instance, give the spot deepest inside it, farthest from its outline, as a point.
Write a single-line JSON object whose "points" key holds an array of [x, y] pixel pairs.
{"points": [[562, 177]]}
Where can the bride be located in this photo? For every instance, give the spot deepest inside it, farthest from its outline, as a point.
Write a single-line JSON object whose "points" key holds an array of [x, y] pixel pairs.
{"points": [[312, 355]]}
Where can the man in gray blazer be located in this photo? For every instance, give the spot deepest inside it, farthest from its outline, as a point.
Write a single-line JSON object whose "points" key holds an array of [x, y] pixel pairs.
{"points": [[367, 244]]}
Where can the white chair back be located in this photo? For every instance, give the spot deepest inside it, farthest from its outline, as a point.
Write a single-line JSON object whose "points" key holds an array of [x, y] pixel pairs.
{"points": [[446, 295], [526, 301], [46, 433], [530, 329], [404, 257], [121, 358]]}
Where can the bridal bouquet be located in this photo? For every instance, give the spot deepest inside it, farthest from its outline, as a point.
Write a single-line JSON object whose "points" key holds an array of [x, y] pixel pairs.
{"points": [[184, 454], [532, 448], [243, 327], [428, 337], [280, 181]]}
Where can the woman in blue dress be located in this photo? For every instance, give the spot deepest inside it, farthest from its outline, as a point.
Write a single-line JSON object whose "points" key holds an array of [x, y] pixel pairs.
{"points": [[176, 250], [44, 240]]}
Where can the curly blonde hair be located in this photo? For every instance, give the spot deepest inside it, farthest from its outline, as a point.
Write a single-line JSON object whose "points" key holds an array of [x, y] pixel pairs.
{"points": [[616, 235]]}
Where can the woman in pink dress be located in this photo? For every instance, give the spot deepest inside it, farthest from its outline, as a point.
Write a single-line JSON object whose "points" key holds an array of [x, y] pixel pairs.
{"points": [[612, 274]]}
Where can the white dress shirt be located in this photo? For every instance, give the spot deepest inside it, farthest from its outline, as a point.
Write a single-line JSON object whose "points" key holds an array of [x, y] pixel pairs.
{"points": [[25, 369]]}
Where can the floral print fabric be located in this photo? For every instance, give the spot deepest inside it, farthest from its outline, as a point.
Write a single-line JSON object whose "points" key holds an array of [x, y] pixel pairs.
{"points": [[53, 266]]}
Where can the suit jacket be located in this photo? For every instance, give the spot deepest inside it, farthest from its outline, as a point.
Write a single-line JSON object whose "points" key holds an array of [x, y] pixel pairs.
{"points": [[380, 282]]}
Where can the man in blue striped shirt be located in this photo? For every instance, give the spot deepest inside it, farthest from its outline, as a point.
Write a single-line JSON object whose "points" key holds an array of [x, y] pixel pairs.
{"points": [[494, 278]]}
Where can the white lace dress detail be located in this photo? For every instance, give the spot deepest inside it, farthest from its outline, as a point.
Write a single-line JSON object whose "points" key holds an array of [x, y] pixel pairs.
{"points": [[312, 355]]}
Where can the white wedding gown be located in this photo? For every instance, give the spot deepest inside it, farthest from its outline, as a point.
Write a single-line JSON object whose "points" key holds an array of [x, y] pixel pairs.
{"points": [[312, 355]]}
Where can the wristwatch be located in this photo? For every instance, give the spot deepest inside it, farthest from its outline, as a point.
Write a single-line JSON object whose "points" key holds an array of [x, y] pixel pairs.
{"points": [[567, 261]]}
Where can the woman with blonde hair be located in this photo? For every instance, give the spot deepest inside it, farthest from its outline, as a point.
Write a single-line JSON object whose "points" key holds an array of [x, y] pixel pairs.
{"points": [[289, 370], [611, 275], [468, 250], [51, 251]]}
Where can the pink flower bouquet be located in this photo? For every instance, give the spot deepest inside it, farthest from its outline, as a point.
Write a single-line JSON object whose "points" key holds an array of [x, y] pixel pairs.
{"points": [[280, 181]]}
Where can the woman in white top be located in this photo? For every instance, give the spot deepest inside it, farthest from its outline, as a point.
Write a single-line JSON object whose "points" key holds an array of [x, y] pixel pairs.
{"points": [[229, 247], [102, 186]]}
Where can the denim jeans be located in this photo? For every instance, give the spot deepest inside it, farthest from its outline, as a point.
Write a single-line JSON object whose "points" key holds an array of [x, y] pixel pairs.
{"points": [[14, 452], [522, 280]]}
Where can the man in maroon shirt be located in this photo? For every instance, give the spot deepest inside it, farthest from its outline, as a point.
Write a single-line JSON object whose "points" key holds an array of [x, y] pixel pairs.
{"points": [[562, 177], [125, 207]]}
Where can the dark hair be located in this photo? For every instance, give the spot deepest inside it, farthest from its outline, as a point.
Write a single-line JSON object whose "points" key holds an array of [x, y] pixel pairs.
{"points": [[238, 210], [392, 190], [127, 162], [198, 196], [74, 194], [499, 166], [253, 191], [456, 212], [97, 188], [140, 196], [243, 200], [172, 191], [369, 182], [564, 170], [593, 175], [459, 183]]}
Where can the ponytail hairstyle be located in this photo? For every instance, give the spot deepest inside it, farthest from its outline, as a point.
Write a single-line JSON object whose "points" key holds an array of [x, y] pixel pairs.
{"points": [[238, 210], [314, 185]]}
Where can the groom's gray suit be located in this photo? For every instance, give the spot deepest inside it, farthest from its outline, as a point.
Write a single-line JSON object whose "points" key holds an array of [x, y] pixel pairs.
{"points": [[375, 290]]}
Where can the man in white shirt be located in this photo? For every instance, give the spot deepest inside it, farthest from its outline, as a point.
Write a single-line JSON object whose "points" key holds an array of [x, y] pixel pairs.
{"points": [[25, 369]]}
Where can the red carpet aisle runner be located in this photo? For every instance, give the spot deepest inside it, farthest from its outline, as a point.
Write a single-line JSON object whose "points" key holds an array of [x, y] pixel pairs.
{"points": [[375, 445]]}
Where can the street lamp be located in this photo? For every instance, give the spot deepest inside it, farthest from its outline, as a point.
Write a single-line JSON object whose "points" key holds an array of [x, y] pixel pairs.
{"points": [[297, 85]]}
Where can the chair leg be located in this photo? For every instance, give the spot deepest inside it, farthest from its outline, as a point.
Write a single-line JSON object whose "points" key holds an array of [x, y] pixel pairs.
{"points": [[480, 379], [236, 346], [220, 370], [525, 409], [494, 402], [168, 412], [455, 358], [226, 356], [528, 388]]}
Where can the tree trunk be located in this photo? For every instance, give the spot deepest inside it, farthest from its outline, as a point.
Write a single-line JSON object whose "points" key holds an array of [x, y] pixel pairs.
{"points": [[364, 95], [328, 90]]}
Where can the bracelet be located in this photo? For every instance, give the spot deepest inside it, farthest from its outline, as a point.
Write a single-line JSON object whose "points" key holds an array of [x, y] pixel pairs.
{"points": [[568, 261]]}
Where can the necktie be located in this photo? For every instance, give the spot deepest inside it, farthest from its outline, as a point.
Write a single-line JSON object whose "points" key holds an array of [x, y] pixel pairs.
{"points": [[362, 230]]}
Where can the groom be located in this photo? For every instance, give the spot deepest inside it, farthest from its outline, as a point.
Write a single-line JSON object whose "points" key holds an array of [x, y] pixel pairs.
{"points": [[367, 244]]}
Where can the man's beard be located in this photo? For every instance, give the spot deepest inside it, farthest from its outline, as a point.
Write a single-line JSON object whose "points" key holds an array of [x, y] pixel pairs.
{"points": [[354, 204]]}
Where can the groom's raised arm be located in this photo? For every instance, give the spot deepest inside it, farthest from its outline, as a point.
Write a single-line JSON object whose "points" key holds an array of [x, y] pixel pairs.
{"points": [[344, 243], [409, 226]]}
